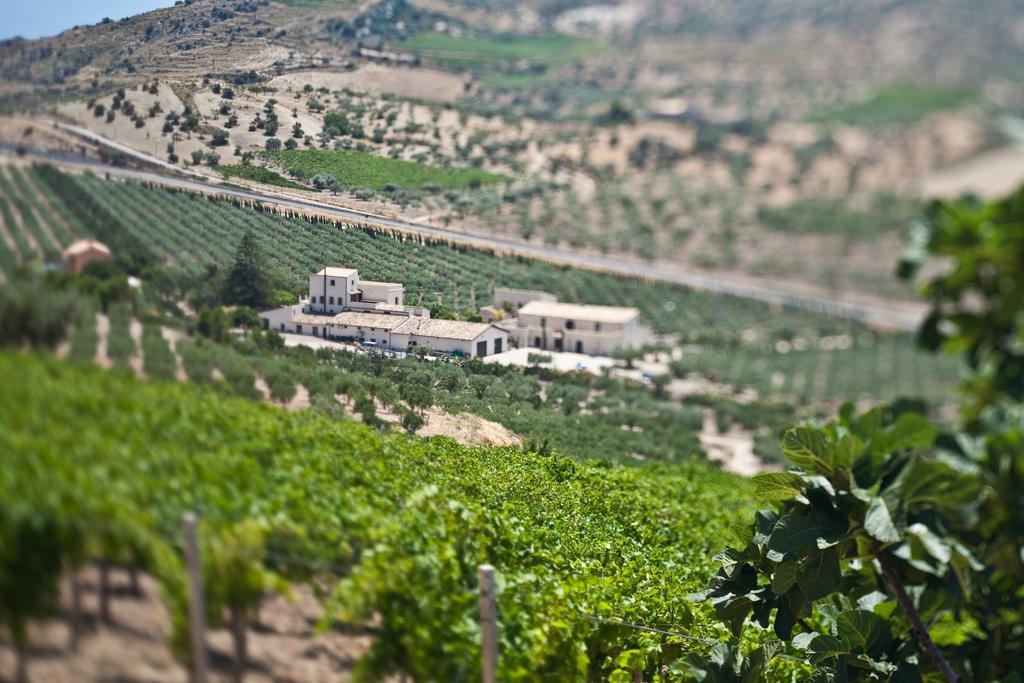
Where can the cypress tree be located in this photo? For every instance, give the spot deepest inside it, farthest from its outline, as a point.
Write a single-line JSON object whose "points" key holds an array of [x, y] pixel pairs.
{"points": [[248, 281]]}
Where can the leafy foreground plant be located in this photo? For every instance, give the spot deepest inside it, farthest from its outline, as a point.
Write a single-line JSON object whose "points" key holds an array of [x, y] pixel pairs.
{"points": [[859, 527], [893, 552], [977, 303]]}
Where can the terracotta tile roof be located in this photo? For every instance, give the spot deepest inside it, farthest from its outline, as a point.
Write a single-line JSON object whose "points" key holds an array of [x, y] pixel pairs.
{"points": [[380, 321], [443, 329], [336, 272]]}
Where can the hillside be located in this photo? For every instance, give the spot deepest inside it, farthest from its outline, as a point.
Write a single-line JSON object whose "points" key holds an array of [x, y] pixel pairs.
{"points": [[716, 137], [399, 523], [174, 41], [794, 450], [733, 349]]}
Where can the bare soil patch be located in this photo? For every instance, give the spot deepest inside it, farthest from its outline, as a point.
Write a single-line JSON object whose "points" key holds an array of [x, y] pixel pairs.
{"points": [[468, 429], [734, 449], [102, 333], [172, 336], [422, 84], [133, 647], [464, 428], [990, 175], [136, 361]]}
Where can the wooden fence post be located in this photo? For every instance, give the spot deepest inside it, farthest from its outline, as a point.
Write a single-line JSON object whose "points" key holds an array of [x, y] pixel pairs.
{"points": [[76, 610], [104, 591], [196, 602], [488, 623]]}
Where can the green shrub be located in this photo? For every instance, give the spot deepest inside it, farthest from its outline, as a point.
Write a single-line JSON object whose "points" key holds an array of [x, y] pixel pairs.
{"points": [[157, 359]]}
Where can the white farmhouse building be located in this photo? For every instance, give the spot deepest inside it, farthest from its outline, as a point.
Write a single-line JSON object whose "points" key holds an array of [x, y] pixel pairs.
{"points": [[341, 306], [336, 289], [542, 322]]}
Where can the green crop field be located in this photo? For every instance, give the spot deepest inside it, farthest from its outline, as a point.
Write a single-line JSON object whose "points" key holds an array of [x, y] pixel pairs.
{"points": [[895, 105], [732, 340], [260, 174], [397, 525], [546, 50], [496, 80], [358, 169], [885, 214], [873, 366], [24, 215], [584, 417]]}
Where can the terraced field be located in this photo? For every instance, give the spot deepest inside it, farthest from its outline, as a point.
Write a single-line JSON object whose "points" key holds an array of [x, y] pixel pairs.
{"points": [[540, 51], [30, 227]]}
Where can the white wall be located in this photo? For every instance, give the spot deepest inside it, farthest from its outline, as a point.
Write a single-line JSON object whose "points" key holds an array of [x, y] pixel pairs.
{"points": [[281, 316], [379, 336], [595, 343], [403, 342], [492, 335], [559, 324], [380, 291], [466, 347], [339, 291]]}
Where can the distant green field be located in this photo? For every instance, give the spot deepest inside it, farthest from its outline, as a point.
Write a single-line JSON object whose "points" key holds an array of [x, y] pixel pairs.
{"points": [[547, 50], [886, 214], [499, 79], [259, 174], [895, 104], [358, 169]]}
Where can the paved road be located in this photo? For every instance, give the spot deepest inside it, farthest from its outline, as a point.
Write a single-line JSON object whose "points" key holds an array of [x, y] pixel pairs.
{"points": [[895, 316], [124, 149]]}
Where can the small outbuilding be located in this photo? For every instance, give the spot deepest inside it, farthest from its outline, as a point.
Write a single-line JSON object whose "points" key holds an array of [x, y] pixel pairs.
{"points": [[81, 253], [451, 336]]}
